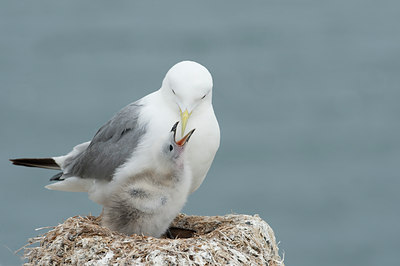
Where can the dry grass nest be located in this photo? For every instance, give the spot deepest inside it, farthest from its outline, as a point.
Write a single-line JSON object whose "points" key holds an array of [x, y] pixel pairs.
{"points": [[230, 239]]}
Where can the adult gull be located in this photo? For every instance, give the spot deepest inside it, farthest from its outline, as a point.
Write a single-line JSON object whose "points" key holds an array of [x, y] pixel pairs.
{"points": [[122, 146]]}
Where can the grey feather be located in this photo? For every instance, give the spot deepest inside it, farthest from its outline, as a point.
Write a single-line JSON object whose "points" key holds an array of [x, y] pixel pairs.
{"points": [[112, 145]]}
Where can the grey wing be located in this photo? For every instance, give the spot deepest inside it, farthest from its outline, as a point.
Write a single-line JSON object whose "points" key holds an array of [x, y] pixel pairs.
{"points": [[112, 145]]}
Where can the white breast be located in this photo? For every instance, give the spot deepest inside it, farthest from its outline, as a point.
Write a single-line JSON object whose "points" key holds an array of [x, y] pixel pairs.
{"points": [[204, 143]]}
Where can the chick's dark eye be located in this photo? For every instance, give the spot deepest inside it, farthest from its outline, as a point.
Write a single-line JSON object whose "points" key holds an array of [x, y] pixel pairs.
{"points": [[173, 92], [171, 148], [204, 96]]}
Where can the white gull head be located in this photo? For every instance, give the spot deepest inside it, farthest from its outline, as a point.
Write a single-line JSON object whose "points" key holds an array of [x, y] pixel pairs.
{"points": [[188, 87]]}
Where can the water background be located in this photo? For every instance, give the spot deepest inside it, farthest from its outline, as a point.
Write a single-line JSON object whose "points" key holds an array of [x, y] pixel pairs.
{"points": [[306, 93]]}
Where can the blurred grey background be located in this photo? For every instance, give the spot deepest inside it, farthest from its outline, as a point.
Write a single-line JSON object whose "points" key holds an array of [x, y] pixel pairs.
{"points": [[306, 93]]}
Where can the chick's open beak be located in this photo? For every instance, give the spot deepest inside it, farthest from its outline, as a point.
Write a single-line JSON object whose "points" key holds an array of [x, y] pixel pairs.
{"points": [[184, 118], [185, 139]]}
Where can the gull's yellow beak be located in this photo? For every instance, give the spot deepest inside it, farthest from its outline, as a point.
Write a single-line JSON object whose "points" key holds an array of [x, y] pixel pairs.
{"points": [[184, 118]]}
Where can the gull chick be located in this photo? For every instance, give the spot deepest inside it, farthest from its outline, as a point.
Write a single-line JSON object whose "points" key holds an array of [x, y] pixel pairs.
{"points": [[147, 202]]}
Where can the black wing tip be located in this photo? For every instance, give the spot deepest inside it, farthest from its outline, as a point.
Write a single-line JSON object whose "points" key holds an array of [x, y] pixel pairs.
{"points": [[21, 162], [35, 162]]}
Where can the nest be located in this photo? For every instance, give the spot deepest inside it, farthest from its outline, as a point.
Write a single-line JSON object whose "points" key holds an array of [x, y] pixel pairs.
{"points": [[230, 239]]}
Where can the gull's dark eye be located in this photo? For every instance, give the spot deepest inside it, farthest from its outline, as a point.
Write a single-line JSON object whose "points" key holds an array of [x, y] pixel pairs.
{"points": [[171, 148], [173, 92], [204, 96]]}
